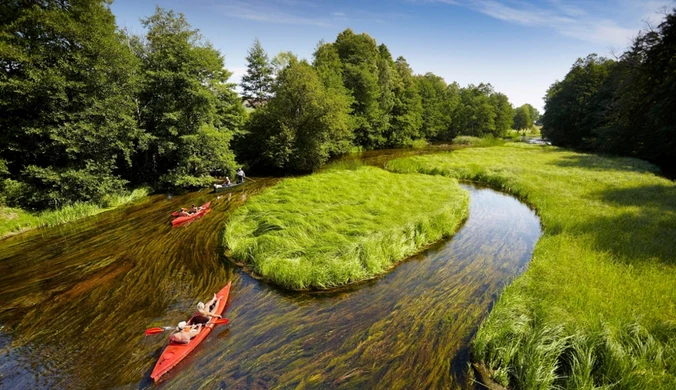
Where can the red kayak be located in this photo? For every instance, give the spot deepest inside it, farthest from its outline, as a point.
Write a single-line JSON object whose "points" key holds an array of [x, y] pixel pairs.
{"points": [[175, 352], [205, 209]]}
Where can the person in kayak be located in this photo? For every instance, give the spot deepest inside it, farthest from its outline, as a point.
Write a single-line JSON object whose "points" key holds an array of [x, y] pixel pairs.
{"points": [[240, 175], [183, 212], [194, 209], [206, 311], [184, 333]]}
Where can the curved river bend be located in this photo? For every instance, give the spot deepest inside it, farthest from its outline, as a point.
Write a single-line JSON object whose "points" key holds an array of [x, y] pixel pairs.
{"points": [[76, 300]]}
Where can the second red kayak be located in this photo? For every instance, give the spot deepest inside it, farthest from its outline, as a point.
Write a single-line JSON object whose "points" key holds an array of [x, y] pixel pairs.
{"points": [[175, 352], [203, 210]]}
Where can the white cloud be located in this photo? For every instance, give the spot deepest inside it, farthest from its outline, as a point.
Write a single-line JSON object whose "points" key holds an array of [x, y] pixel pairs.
{"points": [[298, 12], [602, 32], [571, 19], [270, 12], [652, 12]]}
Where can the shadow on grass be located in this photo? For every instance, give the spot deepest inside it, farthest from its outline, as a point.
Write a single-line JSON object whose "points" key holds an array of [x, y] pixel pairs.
{"points": [[644, 226], [605, 163]]}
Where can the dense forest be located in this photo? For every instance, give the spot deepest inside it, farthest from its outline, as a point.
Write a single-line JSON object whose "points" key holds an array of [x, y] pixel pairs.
{"points": [[88, 110], [625, 106]]}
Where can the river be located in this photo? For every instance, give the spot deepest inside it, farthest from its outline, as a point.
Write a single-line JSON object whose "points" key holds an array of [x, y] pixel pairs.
{"points": [[76, 300]]}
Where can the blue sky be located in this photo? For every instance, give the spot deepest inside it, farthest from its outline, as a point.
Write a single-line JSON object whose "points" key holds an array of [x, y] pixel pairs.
{"points": [[521, 47]]}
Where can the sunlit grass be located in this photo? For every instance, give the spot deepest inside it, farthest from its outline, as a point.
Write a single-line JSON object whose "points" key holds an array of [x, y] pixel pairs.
{"points": [[468, 140], [597, 306], [342, 226], [419, 144], [13, 220], [516, 135]]}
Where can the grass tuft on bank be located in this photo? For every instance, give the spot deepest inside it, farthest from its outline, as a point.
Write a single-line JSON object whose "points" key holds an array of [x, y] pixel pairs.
{"points": [[477, 142], [597, 306], [14, 220], [342, 226]]}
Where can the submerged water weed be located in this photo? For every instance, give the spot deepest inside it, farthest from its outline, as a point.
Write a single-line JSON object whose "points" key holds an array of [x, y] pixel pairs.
{"points": [[342, 226], [608, 255]]}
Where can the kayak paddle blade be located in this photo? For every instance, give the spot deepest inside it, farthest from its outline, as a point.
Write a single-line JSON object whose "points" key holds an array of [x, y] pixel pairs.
{"points": [[151, 331]]}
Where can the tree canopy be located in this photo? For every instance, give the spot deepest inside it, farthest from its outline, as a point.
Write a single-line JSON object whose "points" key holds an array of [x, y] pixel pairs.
{"points": [[67, 87], [88, 110], [624, 107], [302, 125], [522, 118], [188, 109]]}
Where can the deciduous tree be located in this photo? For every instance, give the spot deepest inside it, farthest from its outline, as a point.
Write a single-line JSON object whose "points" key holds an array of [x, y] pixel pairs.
{"points": [[503, 113], [189, 110], [522, 119], [570, 116], [359, 55], [67, 83], [302, 125], [436, 114], [407, 110]]}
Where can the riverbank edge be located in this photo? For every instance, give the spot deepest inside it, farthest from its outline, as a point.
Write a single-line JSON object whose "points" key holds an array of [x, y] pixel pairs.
{"points": [[22, 221], [485, 175], [249, 269]]}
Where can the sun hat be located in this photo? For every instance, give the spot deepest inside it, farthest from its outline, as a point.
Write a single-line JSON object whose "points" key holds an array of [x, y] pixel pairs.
{"points": [[182, 324], [200, 305]]}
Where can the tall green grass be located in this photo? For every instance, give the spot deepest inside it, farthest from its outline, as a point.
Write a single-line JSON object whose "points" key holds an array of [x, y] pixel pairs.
{"points": [[486, 141], [419, 144], [342, 226], [13, 220], [597, 306]]}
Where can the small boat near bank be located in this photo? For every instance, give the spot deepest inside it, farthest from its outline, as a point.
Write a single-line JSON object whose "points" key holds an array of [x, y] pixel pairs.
{"points": [[174, 353], [221, 187]]}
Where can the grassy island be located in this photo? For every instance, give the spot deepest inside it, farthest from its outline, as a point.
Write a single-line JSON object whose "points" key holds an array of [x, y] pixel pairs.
{"points": [[597, 306], [342, 226]]}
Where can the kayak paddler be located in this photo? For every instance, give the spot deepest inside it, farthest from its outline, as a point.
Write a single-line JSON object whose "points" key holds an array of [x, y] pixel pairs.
{"points": [[184, 332], [206, 311]]}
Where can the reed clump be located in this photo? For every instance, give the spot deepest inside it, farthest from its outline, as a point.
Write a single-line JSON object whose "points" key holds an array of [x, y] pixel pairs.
{"points": [[14, 220], [342, 226], [597, 306], [468, 140]]}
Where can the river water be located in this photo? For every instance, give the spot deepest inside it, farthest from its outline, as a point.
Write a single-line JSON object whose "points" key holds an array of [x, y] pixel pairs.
{"points": [[76, 300]]}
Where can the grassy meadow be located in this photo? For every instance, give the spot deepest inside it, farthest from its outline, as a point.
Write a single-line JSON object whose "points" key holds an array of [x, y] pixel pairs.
{"points": [[14, 220], [597, 306], [342, 226]]}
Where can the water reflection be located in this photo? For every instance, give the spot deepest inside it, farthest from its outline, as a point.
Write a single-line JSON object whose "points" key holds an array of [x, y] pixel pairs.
{"points": [[77, 299]]}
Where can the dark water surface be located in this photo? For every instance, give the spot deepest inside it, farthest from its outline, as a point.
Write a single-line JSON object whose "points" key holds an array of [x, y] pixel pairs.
{"points": [[75, 301]]}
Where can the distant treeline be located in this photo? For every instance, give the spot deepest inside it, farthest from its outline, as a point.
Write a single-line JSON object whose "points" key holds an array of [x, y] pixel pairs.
{"points": [[354, 94], [625, 106], [88, 110]]}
